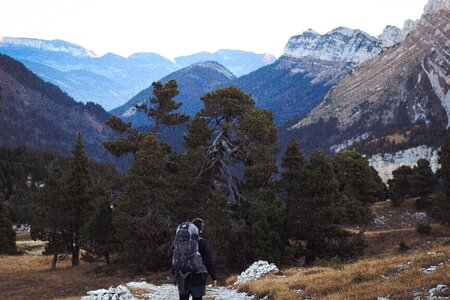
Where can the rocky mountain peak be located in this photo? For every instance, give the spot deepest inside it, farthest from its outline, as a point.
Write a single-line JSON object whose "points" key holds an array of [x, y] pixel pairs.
{"points": [[212, 65], [435, 5], [393, 35], [340, 44]]}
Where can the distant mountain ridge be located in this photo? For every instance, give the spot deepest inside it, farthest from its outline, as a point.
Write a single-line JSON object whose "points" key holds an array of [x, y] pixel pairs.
{"points": [[238, 62], [111, 80]]}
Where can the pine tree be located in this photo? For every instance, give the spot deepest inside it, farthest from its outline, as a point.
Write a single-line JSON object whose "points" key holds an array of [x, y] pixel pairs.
{"points": [[160, 113], [223, 110], [51, 213], [7, 233], [317, 212], [163, 106], [193, 190], [442, 207], [359, 186], [142, 215], [266, 222], [356, 178], [217, 226], [79, 186], [122, 145], [293, 183], [400, 185], [423, 180], [98, 234]]}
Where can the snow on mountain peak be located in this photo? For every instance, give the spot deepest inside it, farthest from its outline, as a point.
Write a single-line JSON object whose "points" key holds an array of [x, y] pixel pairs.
{"points": [[54, 45]]}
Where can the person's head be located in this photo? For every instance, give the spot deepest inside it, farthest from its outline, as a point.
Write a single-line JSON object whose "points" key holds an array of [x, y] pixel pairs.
{"points": [[199, 223]]}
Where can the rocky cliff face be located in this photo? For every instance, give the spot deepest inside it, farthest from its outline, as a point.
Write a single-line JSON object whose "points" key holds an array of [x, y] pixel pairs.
{"points": [[340, 44], [386, 163], [407, 84]]}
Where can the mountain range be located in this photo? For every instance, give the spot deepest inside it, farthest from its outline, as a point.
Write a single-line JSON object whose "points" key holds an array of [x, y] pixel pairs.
{"points": [[295, 83], [110, 80], [400, 96], [343, 89]]}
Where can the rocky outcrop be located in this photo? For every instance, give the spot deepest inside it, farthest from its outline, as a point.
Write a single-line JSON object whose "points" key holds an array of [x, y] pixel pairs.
{"points": [[435, 5], [386, 163], [393, 35], [340, 44]]}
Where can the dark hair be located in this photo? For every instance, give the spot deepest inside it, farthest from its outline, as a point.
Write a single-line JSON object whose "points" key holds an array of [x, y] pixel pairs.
{"points": [[199, 223]]}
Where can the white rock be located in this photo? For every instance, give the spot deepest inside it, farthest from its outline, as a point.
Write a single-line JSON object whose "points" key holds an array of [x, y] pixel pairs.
{"points": [[386, 163], [256, 270]]}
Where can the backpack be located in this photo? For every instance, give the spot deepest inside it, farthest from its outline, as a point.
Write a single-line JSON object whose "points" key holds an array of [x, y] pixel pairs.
{"points": [[186, 257]]}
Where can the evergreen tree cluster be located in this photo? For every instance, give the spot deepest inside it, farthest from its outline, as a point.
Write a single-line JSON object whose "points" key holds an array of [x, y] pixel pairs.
{"points": [[419, 181], [228, 175], [72, 210]]}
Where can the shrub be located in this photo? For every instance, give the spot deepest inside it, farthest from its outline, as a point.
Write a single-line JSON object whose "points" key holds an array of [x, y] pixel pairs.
{"points": [[423, 228], [403, 247], [423, 203]]}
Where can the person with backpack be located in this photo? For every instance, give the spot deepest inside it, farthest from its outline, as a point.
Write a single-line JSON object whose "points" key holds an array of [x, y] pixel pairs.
{"points": [[192, 260]]}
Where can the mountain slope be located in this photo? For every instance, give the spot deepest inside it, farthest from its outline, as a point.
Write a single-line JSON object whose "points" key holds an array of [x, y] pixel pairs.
{"points": [[38, 115], [193, 82], [405, 86], [310, 65]]}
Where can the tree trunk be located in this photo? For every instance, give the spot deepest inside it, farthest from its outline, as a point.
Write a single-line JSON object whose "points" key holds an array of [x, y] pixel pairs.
{"points": [[54, 260], [76, 249], [107, 259]]}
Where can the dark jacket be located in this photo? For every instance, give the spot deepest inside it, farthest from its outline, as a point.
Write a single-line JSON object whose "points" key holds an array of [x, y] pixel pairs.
{"points": [[195, 283]]}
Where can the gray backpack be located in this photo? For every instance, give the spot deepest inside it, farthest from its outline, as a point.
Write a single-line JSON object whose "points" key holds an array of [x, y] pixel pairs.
{"points": [[186, 257]]}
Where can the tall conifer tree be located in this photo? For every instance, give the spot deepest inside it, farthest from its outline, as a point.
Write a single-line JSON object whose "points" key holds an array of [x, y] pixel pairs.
{"points": [[7, 233], [51, 213], [79, 186]]}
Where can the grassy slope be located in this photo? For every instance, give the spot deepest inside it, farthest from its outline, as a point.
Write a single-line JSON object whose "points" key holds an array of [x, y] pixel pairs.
{"points": [[383, 272]]}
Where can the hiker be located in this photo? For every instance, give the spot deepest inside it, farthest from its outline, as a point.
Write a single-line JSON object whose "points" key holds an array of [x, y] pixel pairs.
{"points": [[192, 260]]}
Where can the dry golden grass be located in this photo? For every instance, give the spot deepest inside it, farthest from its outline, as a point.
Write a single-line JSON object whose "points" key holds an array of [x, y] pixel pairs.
{"points": [[28, 276], [360, 280], [366, 278]]}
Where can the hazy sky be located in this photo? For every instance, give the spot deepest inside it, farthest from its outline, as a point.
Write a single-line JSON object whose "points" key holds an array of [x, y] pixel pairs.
{"points": [[181, 27]]}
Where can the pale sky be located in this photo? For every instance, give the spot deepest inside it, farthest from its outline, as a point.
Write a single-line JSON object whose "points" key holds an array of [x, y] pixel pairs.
{"points": [[181, 27]]}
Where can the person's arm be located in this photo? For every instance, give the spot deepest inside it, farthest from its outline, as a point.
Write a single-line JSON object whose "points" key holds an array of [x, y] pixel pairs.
{"points": [[205, 251]]}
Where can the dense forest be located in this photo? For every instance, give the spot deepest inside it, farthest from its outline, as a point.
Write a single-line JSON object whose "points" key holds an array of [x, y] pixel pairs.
{"points": [[228, 175]]}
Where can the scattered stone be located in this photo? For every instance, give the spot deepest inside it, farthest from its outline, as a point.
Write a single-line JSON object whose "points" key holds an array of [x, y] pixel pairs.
{"points": [[421, 216], [257, 270], [431, 269], [439, 288], [118, 293], [22, 227], [382, 298]]}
